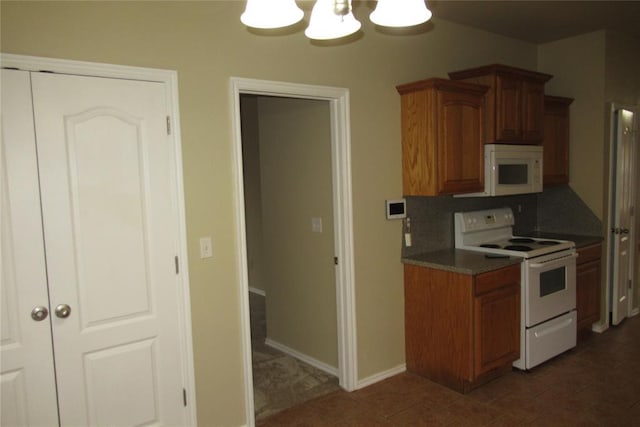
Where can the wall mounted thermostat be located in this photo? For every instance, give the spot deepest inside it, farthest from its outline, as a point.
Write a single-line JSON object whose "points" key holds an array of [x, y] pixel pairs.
{"points": [[396, 209]]}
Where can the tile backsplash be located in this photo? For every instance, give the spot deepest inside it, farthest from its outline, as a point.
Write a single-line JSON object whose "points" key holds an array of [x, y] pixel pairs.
{"points": [[556, 210], [561, 210]]}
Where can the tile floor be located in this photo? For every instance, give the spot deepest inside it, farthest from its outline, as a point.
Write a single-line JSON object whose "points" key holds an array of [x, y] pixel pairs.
{"points": [[279, 380], [595, 384]]}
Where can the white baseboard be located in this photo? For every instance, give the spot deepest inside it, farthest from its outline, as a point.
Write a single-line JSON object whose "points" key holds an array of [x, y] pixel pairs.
{"points": [[381, 376], [301, 356], [258, 291], [634, 312], [599, 327]]}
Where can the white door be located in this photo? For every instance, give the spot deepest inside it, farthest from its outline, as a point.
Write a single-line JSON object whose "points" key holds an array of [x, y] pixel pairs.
{"points": [[622, 214], [109, 214], [27, 378]]}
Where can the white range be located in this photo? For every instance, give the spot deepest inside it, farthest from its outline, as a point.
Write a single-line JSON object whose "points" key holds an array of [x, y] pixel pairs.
{"points": [[548, 281]]}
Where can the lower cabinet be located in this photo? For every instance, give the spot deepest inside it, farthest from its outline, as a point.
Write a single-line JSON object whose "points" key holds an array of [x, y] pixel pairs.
{"points": [[461, 330], [588, 280]]}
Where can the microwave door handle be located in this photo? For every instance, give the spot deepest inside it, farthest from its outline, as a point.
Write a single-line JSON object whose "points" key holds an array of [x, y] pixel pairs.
{"points": [[542, 264]]}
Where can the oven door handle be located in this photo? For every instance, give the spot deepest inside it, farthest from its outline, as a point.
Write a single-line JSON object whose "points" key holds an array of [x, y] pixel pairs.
{"points": [[554, 328], [542, 264]]}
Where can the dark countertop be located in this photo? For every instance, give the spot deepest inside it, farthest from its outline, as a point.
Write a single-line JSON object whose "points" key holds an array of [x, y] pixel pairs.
{"points": [[580, 240], [473, 263], [460, 261]]}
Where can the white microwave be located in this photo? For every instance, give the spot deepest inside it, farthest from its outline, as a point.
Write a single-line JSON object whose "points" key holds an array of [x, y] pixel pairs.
{"points": [[511, 169]]}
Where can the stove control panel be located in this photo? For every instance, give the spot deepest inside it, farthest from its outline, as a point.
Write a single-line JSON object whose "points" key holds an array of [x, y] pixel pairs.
{"points": [[484, 220]]}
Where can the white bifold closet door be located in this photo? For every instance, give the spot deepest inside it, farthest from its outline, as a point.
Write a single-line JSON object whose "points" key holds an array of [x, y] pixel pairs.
{"points": [[90, 232]]}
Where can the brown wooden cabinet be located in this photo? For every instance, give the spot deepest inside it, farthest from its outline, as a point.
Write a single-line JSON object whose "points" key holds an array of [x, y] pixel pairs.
{"points": [[588, 287], [556, 140], [461, 330], [442, 131], [515, 102]]}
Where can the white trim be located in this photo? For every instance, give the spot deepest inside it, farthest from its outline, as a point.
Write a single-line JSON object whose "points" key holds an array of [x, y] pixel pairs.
{"points": [[613, 106], [343, 229], [600, 327], [331, 370], [634, 312], [381, 376], [170, 80], [257, 291]]}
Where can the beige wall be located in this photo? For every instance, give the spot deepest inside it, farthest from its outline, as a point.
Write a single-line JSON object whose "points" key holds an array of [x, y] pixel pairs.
{"points": [[622, 82], [206, 44], [295, 158], [595, 69], [578, 68]]}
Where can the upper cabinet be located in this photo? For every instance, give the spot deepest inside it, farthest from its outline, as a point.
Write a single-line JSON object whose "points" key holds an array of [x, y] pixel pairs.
{"points": [[442, 137], [556, 140], [515, 102]]}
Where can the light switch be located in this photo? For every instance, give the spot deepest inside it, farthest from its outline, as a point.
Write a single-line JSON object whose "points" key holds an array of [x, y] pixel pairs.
{"points": [[206, 248], [316, 225]]}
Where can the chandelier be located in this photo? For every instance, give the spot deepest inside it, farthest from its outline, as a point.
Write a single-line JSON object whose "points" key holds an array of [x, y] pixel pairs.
{"points": [[332, 19]]}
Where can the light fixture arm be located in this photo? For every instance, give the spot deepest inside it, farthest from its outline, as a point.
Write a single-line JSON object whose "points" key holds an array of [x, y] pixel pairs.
{"points": [[341, 7]]}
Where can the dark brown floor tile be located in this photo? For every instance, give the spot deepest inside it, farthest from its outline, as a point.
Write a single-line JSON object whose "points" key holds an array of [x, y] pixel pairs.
{"points": [[423, 414], [467, 412], [522, 407], [399, 393], [507, 420], [299, 416], [564, 419], [337, 407], [590, 386]]}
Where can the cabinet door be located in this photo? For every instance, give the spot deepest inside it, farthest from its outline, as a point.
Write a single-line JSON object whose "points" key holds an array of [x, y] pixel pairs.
{"points": [[460, 152], [497, 328], [509, 109], [588, 293], [26, 354], [556, 145], [532, 112]]}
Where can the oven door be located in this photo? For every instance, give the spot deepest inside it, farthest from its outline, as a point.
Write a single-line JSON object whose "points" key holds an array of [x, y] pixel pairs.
{"points": [[550, 286]]}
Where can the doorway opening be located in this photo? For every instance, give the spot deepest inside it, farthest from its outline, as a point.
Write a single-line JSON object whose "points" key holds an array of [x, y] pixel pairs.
{"points": [[286, 147], [341, 215]]}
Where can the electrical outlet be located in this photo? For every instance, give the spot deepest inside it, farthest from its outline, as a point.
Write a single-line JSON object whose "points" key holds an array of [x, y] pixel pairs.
{"points": [[206, 248]]}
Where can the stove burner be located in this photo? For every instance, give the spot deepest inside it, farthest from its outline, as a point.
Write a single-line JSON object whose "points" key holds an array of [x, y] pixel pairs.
{"points": [[548, 242], [490, 245], [521, 248], [521, 240]]}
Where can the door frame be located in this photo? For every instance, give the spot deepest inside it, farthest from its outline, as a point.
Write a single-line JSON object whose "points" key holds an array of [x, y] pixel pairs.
{"points": [[613, 107], [338, 99], [170, 80]]}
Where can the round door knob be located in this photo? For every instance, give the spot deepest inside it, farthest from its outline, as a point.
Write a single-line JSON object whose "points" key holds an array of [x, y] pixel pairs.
{"points": [[63, 311], [39, 313]]}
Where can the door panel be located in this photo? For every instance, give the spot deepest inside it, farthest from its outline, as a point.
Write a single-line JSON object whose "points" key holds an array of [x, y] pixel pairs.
{"points": [[27, 379], [113, 256], [109, 209], [622, 213], [105, 407]]}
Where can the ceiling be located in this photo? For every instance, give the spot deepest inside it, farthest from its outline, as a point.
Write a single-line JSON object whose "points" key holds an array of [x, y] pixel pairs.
{"points": [[541, 21]]}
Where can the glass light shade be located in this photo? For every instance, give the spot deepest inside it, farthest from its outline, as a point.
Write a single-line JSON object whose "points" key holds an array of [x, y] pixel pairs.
{"points": [[271, 13], [400, 13], [325, 24]]}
